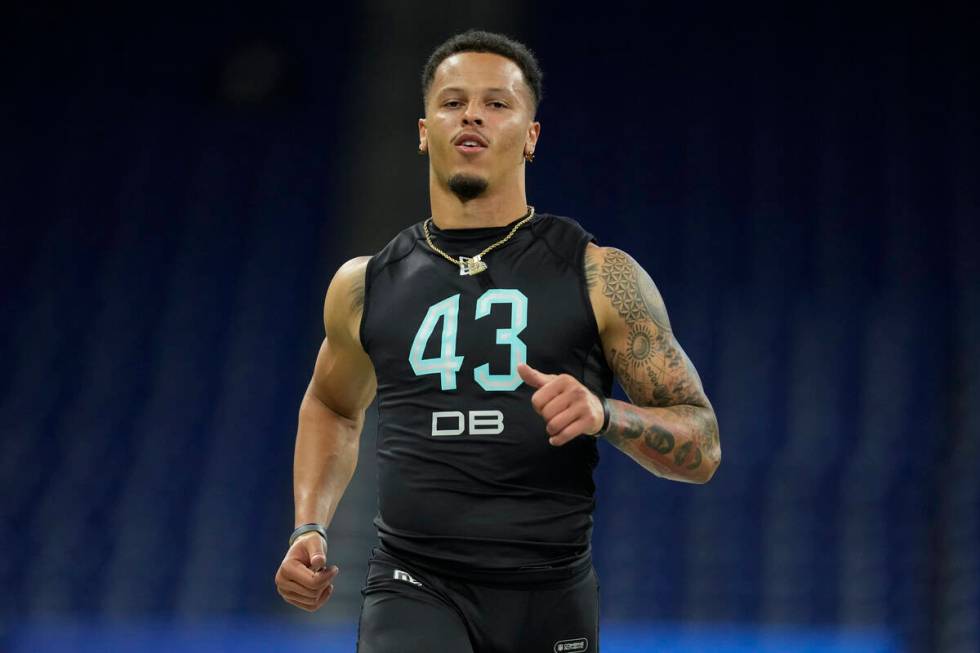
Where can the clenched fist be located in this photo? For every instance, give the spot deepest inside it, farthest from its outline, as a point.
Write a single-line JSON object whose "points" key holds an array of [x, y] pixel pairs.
{"points": [[303, 578], [569, 408]]}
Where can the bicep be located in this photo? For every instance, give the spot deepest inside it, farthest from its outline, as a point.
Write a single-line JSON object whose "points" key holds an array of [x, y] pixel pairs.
{"points": [[638, 341], [343, 377]]}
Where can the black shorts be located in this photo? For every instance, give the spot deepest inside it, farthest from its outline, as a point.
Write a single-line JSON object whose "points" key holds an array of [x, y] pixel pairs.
{"points": [[410, 610]]}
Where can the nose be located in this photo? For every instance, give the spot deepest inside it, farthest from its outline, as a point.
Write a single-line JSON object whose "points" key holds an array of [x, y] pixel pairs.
{"points": [[473, 114]]}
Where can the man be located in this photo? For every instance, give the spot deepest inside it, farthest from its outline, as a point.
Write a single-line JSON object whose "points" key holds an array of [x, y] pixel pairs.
{"points": [[491, 334]]}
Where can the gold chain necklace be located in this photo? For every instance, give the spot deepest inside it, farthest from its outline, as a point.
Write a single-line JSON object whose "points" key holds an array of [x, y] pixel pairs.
{"points": [[475, 265]]}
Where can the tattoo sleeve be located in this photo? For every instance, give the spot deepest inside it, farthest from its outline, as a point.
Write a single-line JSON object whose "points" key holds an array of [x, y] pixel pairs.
{"points": [[669, 428]]}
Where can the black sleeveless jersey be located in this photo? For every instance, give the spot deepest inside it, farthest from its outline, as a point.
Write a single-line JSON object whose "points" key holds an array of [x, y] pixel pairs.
{"points": [[466, 476]]}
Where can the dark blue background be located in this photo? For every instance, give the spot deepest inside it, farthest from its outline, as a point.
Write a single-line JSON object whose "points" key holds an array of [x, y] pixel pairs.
{"points": [[802, 186]]}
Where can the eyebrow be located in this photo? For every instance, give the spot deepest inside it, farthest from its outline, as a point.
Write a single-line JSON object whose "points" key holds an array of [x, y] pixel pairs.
{"points": [[456, 89]]}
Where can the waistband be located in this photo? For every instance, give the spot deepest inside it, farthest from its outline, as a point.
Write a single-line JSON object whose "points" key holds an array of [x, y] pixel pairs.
{"points": [[529, 577]]}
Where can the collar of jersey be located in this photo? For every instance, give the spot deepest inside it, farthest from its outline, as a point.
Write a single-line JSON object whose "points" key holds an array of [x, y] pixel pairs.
{"points": [[478, 233]]}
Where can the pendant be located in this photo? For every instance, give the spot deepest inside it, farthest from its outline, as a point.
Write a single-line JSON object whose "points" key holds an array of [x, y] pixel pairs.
{"points": [[471, 266]]}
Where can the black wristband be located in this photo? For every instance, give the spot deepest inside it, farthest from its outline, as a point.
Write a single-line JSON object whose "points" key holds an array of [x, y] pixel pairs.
{"points": [[308, 528], [605, 416]]}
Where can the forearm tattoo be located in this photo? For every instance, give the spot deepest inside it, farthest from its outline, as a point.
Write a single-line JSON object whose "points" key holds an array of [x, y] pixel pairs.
{"points": [[630, 429]]}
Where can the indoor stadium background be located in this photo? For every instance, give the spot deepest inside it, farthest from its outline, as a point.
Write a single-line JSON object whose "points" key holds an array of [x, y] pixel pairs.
{"points": [[178, 186]]}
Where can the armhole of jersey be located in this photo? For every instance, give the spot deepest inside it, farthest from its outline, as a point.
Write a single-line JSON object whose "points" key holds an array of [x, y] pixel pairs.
{"points": [[364, 308], [578, 262], [385, 258]]}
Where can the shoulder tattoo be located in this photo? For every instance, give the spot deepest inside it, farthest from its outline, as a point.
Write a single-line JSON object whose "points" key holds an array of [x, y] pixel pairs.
{"points": [[631, 290]]}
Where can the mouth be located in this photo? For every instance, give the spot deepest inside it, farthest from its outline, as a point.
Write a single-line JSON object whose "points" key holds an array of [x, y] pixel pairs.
{"points": [[470, 143], [466, 148]]}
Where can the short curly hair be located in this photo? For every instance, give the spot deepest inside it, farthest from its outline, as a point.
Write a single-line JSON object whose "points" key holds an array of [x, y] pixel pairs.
{"points": [[479, 41]]}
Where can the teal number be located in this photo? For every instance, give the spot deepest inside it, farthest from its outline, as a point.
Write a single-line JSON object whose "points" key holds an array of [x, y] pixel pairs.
{"points": [[518, 350], [448, 363]]}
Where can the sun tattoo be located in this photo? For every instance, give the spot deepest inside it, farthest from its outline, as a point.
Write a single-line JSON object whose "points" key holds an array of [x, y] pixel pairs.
{"points": [[640, 343]]}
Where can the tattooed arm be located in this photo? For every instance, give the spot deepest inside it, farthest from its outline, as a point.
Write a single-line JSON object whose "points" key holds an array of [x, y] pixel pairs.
{"points": [[670, 427]]}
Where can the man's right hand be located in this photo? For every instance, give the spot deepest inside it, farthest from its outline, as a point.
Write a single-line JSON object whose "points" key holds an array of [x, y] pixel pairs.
{"points": [[303, 579]]}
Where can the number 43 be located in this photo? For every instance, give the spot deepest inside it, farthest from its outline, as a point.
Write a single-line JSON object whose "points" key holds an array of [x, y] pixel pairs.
{"points": [[447, 364]]}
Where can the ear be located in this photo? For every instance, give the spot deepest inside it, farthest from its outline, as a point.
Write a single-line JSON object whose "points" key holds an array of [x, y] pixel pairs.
{"points": [[423, 134], [533, 133]]}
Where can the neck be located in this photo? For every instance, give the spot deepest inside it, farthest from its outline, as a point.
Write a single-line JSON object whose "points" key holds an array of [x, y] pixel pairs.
{"points": [[495, 208]]}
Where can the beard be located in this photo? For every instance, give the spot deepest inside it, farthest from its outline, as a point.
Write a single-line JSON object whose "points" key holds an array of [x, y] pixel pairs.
{"points": [[467, 187]]}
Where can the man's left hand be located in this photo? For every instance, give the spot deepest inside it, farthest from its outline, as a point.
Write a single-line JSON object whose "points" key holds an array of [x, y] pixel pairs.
{"points": [[569, 408]]}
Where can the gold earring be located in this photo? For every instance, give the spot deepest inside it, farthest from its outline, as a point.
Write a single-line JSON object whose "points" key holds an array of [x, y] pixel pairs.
{"points": [[529, 156], [421, 151]]}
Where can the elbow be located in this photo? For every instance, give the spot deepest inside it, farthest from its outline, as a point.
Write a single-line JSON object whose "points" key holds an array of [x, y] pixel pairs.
{"points": [[710, 469], [712, 450], [713, 461], [318, 411]]}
